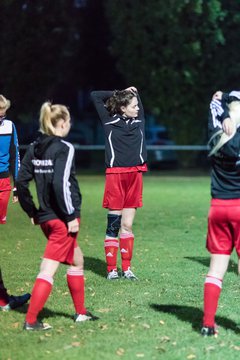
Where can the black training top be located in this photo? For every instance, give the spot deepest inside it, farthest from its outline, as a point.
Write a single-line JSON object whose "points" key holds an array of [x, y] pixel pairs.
{"points": [[50, 162], [124, 137], [225, 175]]}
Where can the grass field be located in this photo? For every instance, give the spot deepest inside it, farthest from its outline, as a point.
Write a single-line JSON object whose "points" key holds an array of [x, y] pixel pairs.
{"points": [[159, 316]]}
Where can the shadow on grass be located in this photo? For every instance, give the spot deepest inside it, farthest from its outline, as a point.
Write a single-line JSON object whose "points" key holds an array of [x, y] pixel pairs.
{"points": [[22, 309], [194, 316], [45, 313], [98, 266], [232, 267]]}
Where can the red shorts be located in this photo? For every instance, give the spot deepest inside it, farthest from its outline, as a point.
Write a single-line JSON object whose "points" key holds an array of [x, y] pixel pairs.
{"points": [[224, 226], [61, 244], [123, 190], [5, 191]]}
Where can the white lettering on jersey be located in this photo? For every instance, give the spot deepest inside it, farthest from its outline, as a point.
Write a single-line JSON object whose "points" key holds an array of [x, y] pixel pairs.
{"points": [[37, 162]]}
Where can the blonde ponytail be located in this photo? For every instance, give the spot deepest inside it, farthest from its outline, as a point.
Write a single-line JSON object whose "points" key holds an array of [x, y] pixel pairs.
{"points": [[50, 115]]}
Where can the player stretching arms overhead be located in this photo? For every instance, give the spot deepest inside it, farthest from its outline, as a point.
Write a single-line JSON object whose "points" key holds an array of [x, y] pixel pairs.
{"points": [[50, 162], [9, 162], [122, 116], [224, 213]]}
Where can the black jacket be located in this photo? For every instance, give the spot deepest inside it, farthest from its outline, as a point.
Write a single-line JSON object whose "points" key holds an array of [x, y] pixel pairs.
{"points": [[124, 138], [50, 162], [225, 175]]}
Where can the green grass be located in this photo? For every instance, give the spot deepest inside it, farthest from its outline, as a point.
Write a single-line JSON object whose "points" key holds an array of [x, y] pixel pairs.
{"points": [[157, 317]]}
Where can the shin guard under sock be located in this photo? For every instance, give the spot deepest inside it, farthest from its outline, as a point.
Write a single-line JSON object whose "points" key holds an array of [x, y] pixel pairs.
{"points": [[126, 249], [75, 280], [40, 293], [212, 291], [111, 246]]}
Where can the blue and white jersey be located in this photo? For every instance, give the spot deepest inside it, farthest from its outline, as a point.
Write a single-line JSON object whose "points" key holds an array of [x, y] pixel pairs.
{"points": [[9, 153]]}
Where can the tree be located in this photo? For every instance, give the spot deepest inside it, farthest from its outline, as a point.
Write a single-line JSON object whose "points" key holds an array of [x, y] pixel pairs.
{"points": [[38, 42], [51, 50], [167, 52], [228, 56]]}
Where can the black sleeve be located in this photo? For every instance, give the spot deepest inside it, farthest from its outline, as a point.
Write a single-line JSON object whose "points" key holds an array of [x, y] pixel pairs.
{"points": [[61, 185], [99, 98], [25, 175], [141, 110], [225, 101]]}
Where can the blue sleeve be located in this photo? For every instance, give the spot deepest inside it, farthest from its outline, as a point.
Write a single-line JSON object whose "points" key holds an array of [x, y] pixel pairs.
{"points": [[14, 154]]}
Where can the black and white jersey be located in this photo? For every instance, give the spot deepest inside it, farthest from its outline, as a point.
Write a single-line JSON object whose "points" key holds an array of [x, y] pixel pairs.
{"points": [[124, 137], [50, 162], [225, 175], [219, 111]]}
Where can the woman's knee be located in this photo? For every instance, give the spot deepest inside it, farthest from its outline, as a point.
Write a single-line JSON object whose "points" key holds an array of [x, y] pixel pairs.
{"points": [[127, 220], [79, 263], [126, 227], [218, 265], [49, 267], [78, 259]]}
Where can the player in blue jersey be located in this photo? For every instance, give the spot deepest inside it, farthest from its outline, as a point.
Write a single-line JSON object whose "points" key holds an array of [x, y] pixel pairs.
{"points": [[9, 163], [9, 159]]}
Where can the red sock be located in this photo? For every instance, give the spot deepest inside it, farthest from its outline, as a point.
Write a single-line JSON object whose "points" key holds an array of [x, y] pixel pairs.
{"points": [[212, 291], [3, 292], [75, 280], [126, 249], [111, 249], [40, 293]]}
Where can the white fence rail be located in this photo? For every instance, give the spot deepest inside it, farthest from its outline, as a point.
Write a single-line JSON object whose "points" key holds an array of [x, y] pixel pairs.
{"points": [[149, 147]]}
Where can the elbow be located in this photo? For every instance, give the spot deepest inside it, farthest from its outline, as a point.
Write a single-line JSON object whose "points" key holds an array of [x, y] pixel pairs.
{"points": [[93, 94]]}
